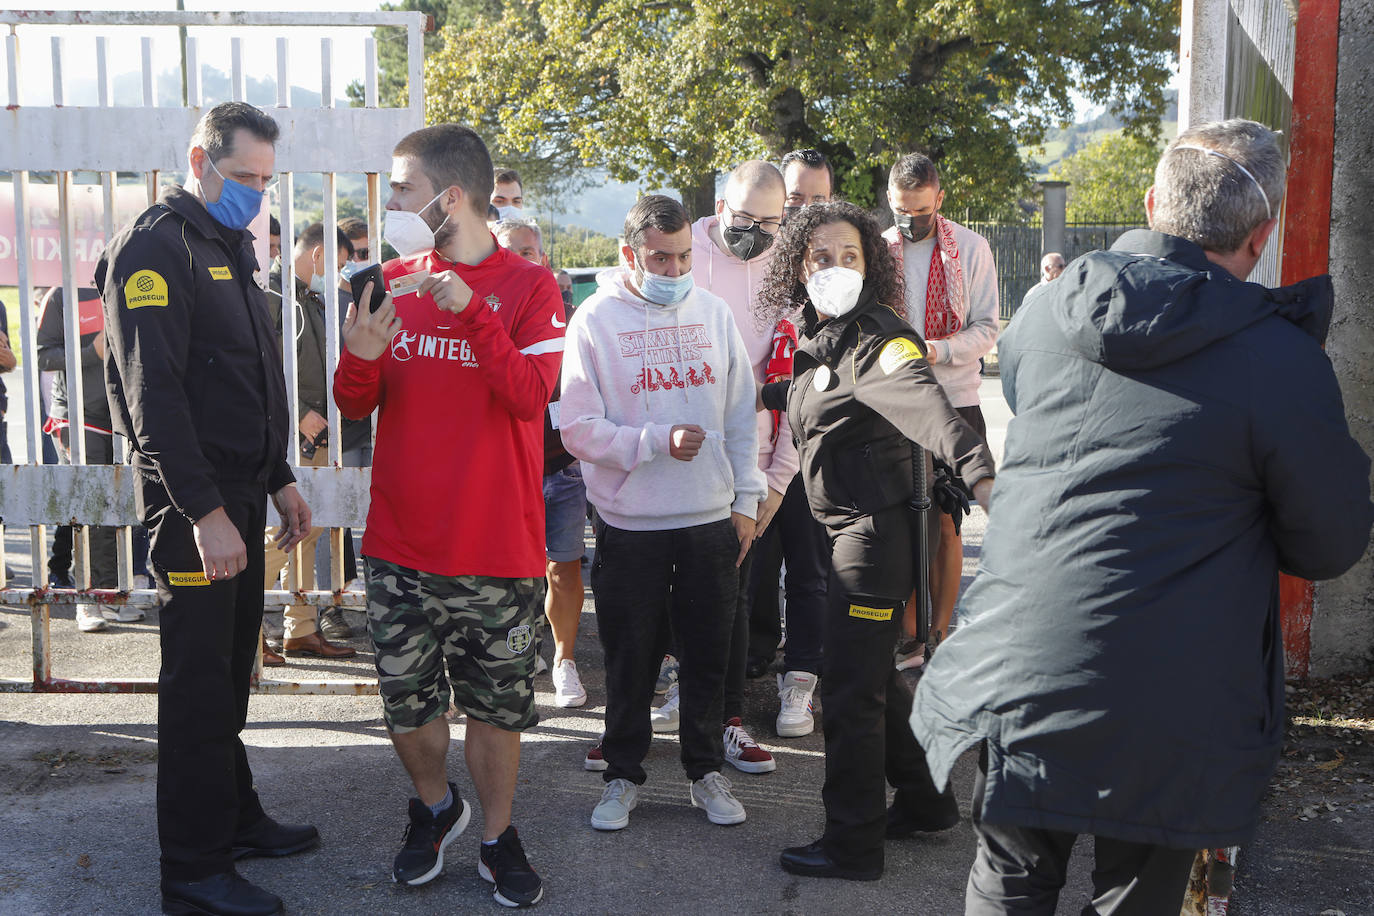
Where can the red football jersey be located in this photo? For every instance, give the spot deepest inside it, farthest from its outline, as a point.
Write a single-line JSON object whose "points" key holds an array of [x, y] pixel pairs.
{"points": [[457, 469]]}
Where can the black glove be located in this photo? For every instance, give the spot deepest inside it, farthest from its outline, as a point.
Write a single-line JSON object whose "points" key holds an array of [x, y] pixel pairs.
{"points": [[950, 494]]}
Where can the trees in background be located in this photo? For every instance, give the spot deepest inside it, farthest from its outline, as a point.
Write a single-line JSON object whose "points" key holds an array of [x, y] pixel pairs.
{"points": [[1108, 179], [668, 92]]}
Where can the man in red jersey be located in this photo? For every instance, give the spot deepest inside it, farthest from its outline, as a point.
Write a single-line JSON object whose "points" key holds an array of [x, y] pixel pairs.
{"points": [[459, 360]]}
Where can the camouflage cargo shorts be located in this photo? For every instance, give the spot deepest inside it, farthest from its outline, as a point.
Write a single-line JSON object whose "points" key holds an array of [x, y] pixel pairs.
{"points": [[482, 626]]}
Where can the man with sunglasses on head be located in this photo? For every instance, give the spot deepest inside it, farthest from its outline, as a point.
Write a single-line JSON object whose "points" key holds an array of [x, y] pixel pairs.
{"points": [[194, 378]]}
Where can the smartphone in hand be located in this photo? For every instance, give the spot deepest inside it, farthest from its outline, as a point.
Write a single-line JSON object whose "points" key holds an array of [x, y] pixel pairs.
{"points": [[359, 280]]}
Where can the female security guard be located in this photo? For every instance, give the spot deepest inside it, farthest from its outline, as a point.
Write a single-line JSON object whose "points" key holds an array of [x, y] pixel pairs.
{"points": [[860, 395]]}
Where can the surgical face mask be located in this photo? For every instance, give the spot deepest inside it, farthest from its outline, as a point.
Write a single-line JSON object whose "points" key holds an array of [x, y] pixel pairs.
{"points": [[510, 212], [317, 283], [408, 232], [746, 244], [913, 229], [835, 291], [238, 204], [663, 290], [352, 268]]}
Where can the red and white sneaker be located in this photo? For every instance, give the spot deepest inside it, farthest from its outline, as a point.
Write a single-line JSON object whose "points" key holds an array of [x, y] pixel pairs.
{"points": [[595, 762], [743, 752]]}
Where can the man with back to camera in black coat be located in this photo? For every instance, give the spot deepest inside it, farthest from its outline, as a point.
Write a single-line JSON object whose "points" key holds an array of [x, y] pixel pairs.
{"points": [[1179, 439]]}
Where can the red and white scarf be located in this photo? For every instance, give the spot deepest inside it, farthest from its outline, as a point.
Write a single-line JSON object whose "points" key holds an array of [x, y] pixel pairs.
{"points": [[945, 293]]}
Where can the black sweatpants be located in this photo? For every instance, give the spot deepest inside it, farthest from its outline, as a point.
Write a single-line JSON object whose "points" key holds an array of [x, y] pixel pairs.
{"points": [[643, 581], [1022, 869], [209, 636], [796, 537], [865, 702]]}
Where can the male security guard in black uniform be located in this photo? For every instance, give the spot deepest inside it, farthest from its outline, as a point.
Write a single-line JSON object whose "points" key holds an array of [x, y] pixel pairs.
{"points": [[194, 378]]}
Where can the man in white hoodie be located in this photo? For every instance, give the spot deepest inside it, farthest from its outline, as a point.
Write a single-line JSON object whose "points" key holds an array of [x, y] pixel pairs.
{"points": [[731, 253], [658, 403], [951, 301]]}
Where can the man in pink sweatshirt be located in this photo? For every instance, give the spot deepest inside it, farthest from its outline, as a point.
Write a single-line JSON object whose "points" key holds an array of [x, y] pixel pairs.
{"points": [[730, 253]]}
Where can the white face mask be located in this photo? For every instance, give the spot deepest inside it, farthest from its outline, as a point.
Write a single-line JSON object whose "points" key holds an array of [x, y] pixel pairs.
{"points": [[408, 232], [510, 212], [835, 291]]}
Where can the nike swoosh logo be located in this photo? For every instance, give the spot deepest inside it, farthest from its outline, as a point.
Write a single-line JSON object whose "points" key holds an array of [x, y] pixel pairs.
{"points": [[553, 320]]}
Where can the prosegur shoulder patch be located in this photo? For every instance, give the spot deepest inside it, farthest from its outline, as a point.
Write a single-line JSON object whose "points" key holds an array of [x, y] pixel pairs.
{"points": [[898, 351], [145, 288]]}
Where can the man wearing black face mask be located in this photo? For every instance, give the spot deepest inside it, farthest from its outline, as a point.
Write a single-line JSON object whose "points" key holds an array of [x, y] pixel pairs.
{"points": [[730, 253], [951, 301]]}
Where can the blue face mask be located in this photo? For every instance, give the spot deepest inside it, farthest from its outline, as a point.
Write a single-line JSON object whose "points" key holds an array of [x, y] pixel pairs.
{"points": [[664, 290], [238, 204]]}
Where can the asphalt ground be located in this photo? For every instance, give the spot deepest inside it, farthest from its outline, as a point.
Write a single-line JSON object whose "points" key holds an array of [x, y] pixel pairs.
{"points": [[78, 833]]}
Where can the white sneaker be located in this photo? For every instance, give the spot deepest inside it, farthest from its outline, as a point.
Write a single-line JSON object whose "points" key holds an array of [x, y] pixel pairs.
{"points": [[665, 718], [121, 613], [618, 799], [567, 686], [712, 794], [795, 717], [667, 675], [89, 619], [743, 753]]}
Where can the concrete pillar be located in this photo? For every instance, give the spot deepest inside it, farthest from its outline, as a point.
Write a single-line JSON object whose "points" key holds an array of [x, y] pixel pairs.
{"points": [[1343, 609], [1054, 216], [1202, 62]]}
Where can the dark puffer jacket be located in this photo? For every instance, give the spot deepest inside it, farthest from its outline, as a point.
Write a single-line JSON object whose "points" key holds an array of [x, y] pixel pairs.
{"points": [[1179, 438]]}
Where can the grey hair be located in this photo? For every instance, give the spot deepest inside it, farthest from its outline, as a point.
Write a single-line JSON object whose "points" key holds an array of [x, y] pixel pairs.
{"points": [[506, 227], [1208, 199]]}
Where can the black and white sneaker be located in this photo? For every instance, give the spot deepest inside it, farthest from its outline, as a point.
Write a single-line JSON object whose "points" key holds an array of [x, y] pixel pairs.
{"points": [[422, 857], [504, 865]]}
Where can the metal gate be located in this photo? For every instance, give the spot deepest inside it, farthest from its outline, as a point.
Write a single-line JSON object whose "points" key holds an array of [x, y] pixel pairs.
{"points": [[148, 139]]}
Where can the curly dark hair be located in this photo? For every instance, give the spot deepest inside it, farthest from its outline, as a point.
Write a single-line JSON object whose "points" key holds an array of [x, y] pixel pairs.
{"points": [[783, 292]]}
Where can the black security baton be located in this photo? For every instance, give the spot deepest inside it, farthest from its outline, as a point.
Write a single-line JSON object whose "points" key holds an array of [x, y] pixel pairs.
{"points": [[920, 505]]}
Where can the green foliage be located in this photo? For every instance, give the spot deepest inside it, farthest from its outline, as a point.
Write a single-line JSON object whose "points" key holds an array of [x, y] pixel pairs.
{"points": [[574, 246], [668, 92], [1108, 179], [391, 44]]}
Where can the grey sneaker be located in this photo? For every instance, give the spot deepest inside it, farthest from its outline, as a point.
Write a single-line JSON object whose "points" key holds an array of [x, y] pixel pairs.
{"points": [[121, 613], [618, 799], [334, 625], [795, 713], [667, 675], [89, 619], [665, 718], [712, 794]]}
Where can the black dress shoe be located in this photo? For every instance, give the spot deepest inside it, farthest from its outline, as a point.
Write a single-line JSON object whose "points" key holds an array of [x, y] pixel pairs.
{"points": [[227, 894], [903, 823], [814, 862], [268, 838]]}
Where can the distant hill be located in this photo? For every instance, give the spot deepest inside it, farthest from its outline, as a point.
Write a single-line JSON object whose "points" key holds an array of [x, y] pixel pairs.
{"points": [[1062, 142]]}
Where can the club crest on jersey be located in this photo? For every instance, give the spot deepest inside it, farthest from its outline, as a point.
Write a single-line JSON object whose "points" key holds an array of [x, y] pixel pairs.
{"points": [[493, 303], [403, 345], [519, 639]]}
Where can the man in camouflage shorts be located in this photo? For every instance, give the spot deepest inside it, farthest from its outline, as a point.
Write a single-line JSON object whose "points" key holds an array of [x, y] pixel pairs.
{"points": [[459, 360], [482, 626]]}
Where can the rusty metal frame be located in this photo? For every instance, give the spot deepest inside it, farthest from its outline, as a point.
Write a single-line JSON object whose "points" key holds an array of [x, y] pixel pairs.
{"points": [[151, 139]]}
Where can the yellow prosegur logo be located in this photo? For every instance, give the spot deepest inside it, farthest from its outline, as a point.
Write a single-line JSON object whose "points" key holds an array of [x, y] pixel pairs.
{"points": [[870, 613], [145, 288], [221, 273], [187, 578], [896, 352]]}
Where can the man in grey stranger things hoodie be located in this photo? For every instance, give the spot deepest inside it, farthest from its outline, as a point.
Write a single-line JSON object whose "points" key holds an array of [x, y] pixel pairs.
{"points": [[658, 402]]}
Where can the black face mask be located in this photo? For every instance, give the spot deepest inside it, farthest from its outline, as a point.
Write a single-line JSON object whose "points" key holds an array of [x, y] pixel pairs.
{"points": [[913, 230], [567, 298], [789, 212], [746, 244]]}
